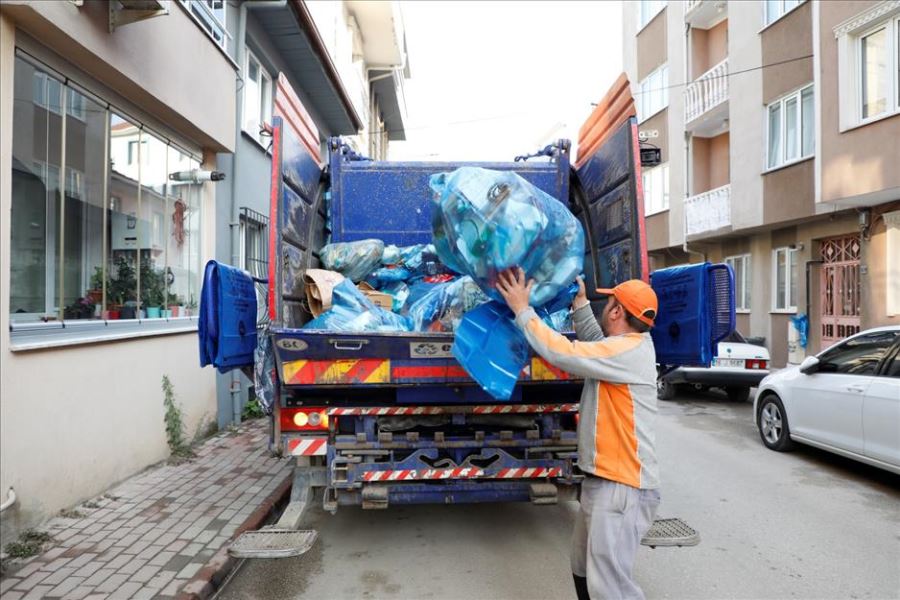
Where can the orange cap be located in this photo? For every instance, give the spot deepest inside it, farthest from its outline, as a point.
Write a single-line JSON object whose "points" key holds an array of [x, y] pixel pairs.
{"points": [[637, 297]]}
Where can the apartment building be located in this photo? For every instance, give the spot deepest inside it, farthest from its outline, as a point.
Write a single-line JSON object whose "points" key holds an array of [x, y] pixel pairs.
{"points": [[779, 131]]}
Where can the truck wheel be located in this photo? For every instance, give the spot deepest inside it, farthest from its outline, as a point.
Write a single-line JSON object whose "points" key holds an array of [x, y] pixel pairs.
{"points": [[738, 394], [773, 425], [665, 390]]}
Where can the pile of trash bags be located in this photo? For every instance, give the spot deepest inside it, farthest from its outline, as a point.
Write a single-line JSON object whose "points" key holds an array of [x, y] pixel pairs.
{"points": [[483, 222]]}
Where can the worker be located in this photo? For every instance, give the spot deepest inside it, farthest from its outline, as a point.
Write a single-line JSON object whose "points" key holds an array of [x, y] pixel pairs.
{"points": [[616, 449]]}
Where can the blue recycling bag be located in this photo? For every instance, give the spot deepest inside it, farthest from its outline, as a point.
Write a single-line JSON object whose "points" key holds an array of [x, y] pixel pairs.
{"points": [[227, 325], [485, 221], [352, 311]]}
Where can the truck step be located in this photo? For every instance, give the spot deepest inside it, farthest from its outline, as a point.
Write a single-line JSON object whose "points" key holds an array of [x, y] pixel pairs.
{"points": [[671, 532], [273, 543]]}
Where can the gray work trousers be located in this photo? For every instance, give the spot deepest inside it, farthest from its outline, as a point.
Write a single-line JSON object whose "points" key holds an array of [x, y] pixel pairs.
{"points": [[608, 530]]}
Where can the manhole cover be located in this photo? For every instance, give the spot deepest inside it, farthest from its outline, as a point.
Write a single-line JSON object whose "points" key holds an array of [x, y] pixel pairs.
{"points": [[273, 543], [671, 532]]}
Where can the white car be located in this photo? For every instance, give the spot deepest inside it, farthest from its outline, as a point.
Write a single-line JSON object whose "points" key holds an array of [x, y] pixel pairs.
{"points": [[845, 400], [738, 367]]}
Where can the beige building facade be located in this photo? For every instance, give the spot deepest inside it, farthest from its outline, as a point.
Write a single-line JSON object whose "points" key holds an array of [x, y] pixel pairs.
{"points": [[101, 249], [779, 131]]}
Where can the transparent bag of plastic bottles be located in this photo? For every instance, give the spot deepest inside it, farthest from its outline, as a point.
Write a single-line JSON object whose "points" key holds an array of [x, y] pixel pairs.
{"points": [[353, 260], [352, 311], [485, 221], [444, 304]]}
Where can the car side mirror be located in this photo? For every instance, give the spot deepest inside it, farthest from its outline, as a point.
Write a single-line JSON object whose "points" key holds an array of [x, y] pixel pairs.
{"points": [[809, 365]]}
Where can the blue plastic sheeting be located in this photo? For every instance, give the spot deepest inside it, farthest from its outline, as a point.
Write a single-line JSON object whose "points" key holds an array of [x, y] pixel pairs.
{"points": [[399, 291], [444, 304], [352, 311], [491, 348], [353, 260], [264, 374], [227, 326], [560, 320], [801, 323], [486, 221]]}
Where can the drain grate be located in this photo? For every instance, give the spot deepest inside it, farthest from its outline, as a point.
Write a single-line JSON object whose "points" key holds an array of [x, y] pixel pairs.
{"points": [[671, 532], [273, 543]]}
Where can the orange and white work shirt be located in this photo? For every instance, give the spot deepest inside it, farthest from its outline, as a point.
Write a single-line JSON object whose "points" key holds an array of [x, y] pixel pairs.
{"points": [[616, 429]]}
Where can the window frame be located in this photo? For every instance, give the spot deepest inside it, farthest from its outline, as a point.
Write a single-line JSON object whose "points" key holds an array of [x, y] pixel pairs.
{"points": [[783, 12], [644, 113], [266, 89], [746, 281], [790, 303], [781, 103], [206, 18], [891, 27], [843, 346], [661, 172], [660, 6]]}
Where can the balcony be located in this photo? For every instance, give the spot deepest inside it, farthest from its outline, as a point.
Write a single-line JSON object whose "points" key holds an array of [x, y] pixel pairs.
{"points": [[708, 212], [706, 102], [705, 14]]}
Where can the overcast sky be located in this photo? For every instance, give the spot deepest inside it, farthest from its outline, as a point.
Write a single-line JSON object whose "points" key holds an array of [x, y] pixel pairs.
{"points": [[491, 80]]}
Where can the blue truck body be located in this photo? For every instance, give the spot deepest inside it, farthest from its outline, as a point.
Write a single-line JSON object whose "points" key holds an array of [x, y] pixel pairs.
{"points": [[391, 418]]}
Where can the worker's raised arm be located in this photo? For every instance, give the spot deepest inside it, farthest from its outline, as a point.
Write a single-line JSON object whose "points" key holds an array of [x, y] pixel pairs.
{"points": [[608, 359], [586, 326]]}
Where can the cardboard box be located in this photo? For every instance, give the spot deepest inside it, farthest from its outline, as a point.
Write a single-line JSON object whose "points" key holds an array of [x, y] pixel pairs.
{"points": [[385, 301]]}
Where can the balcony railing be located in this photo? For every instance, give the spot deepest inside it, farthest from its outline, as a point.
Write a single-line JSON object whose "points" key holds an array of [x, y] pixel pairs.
{"points": [[704, 14], [706, 92], [708, 211]]}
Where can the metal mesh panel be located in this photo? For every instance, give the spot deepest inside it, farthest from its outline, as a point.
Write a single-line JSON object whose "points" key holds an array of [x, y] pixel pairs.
{"points": [[671, 532], [272, 543], [720, 287]]}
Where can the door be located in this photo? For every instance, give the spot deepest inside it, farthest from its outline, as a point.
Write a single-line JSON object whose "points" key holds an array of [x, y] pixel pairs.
{"points": [[881, 412], [839, 286], [827, 406]]}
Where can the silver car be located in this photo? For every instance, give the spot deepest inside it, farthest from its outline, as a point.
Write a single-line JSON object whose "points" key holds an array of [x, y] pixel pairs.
{"points": [[845, 400]]}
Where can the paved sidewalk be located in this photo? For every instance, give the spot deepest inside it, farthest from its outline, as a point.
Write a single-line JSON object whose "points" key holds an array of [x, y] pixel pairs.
{"points": [[163, 533]]}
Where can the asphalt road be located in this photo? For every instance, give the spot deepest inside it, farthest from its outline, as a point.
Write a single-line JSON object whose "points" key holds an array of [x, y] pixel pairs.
{"points": [[805, 524]]}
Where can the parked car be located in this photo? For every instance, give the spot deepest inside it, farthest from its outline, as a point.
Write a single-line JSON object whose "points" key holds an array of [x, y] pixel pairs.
{"points": [[738, 367], [845, 400]]}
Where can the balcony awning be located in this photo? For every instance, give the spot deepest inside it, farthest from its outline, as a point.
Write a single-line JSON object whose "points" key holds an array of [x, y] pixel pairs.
{"points": [[294, 35], [388, 89]]}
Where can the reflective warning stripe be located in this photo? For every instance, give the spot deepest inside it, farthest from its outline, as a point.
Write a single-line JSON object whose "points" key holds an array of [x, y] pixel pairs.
{"points": [[418, 474], [344, 371], [440, 410], [528, 473], [541, 370], [307, 446]]}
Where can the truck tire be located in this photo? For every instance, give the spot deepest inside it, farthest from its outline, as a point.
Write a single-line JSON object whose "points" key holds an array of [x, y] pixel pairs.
{"points": [[738, 394], [665, 390]]}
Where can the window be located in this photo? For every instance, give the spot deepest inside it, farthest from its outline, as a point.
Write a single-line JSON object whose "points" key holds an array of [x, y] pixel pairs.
{"points": [[785, 284], [775, 9], [647, 9], [210, 14], [859, 355], [742, 280], [893, 369], [654, 94], [656, 189], [869, 70], [255, 254], [113, 238], [790, 128], [257, 97]]}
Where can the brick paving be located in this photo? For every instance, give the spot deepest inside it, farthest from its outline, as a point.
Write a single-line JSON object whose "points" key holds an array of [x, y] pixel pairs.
{"points": [[151, 536]]}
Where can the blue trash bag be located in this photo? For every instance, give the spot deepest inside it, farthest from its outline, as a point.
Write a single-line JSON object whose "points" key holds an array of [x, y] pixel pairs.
{"points": [[353, 260], [399, 291], [385, 275], [560, 320], [485, 221], [442, 307], [352, 311], [264, 374], [491, 348], [801, 323]]}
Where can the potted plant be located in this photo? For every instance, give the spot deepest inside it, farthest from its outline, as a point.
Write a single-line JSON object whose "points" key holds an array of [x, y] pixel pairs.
{"points": [[152, 290], [191, 307], [83, 308], [96, 292], [174, 303], [121, 289]]}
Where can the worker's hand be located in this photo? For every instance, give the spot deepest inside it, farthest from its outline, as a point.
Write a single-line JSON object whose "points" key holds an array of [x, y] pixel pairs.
{"points": [[581, 297], [511, 285]]}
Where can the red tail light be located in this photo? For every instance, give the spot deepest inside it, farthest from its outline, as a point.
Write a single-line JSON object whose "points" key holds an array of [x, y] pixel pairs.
{"points": [[756, 363], [304, 419]]}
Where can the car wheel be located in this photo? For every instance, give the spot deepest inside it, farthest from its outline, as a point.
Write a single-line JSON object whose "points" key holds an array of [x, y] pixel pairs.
{"points": [[773, 425], [665, 390], [738, 394]]}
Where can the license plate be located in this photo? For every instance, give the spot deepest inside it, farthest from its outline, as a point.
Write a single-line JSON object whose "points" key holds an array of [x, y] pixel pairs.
{"points": [[735, 363]]}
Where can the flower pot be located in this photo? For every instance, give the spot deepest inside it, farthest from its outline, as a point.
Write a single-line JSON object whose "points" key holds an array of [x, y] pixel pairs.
{"points": [[167, 313], [154, 312], [127, 312], [173, 311], [96, 296]]}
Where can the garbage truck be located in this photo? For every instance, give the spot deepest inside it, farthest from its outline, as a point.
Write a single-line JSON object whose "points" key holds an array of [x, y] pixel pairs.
{"points": [[378, 419]]}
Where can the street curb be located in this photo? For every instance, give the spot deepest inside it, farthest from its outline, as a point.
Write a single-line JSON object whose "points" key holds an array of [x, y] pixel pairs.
{"points": [[208, 579]]}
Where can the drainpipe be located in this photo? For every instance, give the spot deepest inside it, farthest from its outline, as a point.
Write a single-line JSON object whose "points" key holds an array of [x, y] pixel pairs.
{"points": [[235, 224]]}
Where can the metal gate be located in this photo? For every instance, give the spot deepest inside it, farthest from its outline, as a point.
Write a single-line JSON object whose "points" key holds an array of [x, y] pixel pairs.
{"points": [[839, 288]]}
